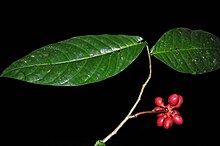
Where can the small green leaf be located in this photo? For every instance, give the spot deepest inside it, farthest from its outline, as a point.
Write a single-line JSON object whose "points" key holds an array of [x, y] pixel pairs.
{"points": [[99, 143], [188, 51], [77, 61]]}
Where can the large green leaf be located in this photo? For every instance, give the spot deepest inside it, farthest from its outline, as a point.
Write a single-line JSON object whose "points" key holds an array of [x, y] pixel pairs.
{"points": [[78, 60], [188, 51]]}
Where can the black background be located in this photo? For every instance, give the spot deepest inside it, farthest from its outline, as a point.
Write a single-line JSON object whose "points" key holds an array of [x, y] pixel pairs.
{"points": [[78, 116]]}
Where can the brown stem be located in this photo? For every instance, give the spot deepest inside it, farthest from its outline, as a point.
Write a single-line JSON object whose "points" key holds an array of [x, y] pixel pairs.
{"points": [[147, 112], [135, 104]]}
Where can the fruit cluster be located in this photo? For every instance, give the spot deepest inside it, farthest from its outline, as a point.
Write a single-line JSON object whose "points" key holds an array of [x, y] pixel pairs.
{"points": [[169, 115]]}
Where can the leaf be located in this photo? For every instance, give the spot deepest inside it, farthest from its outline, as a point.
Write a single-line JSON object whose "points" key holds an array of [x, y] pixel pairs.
{"points": [[188, 51], [77, 61], [99, 143]]}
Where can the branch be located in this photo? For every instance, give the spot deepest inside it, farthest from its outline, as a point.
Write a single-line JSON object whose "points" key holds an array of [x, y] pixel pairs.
{"points": [[136, 103], [147, 112]]}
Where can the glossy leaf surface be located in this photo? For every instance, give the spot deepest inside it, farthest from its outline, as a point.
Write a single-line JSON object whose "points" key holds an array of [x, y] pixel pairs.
{"points": [[188, 51], [77, 61]]}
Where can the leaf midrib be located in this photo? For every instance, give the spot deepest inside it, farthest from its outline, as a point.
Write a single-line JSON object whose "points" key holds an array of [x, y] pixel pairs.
{"points": [[75, 60], [181, 50]]}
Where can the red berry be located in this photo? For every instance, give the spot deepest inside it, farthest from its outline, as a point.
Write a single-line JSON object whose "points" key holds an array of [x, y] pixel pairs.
{"points": [[180, 101], [173, 99], [160, 121], [167, 115], [175, 112], [159, 101], [177, 119], [167, 123], [160, 114], [157, 108]]}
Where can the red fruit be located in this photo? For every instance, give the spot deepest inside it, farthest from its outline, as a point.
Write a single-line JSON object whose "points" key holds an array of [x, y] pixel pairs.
{"points": [[160, 114], [160, 121], [180, 101], [177, 119], [167, 122], [159, 101], [157, 108], [175, 112], [173, 99]]}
